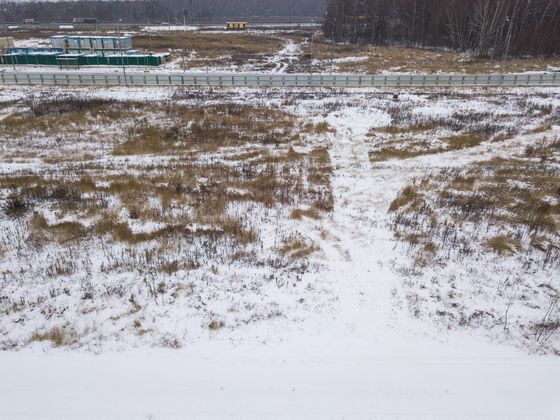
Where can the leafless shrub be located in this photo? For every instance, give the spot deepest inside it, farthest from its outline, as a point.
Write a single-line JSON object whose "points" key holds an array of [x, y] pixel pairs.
{"points": [[16, 206]]}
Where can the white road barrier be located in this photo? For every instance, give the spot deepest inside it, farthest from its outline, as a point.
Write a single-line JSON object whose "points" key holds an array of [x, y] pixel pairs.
{"points": [[277, 80]]}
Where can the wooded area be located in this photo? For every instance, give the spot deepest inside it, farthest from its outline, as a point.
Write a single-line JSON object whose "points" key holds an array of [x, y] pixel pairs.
{"points": [[155, 10], [248, 8], [495, 28], [65, 11]]}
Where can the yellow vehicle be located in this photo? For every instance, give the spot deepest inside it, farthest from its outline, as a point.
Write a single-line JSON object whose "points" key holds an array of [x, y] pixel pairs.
{"points": [[236, 26]]}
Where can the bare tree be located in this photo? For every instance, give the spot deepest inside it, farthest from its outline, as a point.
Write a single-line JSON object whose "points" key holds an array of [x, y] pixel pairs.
{"points": [[495, 28]]}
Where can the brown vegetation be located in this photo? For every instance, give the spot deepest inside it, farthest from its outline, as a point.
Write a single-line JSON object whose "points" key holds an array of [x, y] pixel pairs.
{"points": [[519, 195]]}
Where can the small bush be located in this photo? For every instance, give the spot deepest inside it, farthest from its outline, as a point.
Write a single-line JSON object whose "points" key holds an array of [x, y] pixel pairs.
{"points": [[503, 245], [57, 336], [16, 206], [406, 196], [312, 213], [216, 325], [295, 247]]}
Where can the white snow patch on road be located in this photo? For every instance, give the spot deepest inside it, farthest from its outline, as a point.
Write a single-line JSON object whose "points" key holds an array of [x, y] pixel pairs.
{"points": [[360, 374]]}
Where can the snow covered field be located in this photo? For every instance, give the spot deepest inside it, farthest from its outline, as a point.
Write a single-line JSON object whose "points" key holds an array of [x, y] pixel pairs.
{"points": [[349, 326]]}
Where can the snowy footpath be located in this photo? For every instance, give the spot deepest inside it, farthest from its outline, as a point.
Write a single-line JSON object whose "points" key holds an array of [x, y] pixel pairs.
{"points": [[366, 359]]}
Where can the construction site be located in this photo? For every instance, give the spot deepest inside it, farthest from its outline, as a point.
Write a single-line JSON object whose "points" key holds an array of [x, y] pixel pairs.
{"points": [[76, 51]]}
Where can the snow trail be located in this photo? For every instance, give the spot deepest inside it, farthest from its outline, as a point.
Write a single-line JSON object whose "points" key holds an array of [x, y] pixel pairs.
{"points": [[285, 57], [362, 242]]}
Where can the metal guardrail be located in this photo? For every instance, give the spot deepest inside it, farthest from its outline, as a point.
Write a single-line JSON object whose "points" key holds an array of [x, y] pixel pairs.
{"points": [[277, 80]]}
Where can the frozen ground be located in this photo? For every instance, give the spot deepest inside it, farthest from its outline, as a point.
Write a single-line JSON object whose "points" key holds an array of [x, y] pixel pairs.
{"points": [[359, 373], [357, 352]]}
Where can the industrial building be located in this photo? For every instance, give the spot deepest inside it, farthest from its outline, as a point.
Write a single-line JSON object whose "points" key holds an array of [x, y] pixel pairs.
{"points": [[77, 51], [95, 43]]}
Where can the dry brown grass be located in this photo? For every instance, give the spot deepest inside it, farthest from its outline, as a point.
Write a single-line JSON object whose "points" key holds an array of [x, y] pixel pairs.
{"points": [[405, 144], [41, 231], [503, 245], [519, 195], [59, 337], [207, 129], [299, 214], [406, 196], [215, 158], [212, 48], [211, 45], [48, 116], [296, 247], [216, 325], [395, 129], [421, 60]]}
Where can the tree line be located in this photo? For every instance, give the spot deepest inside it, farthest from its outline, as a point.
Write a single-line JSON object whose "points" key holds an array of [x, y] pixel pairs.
{"points": [[143, 11], [496, 28], [65, 11], [248, 8]]}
